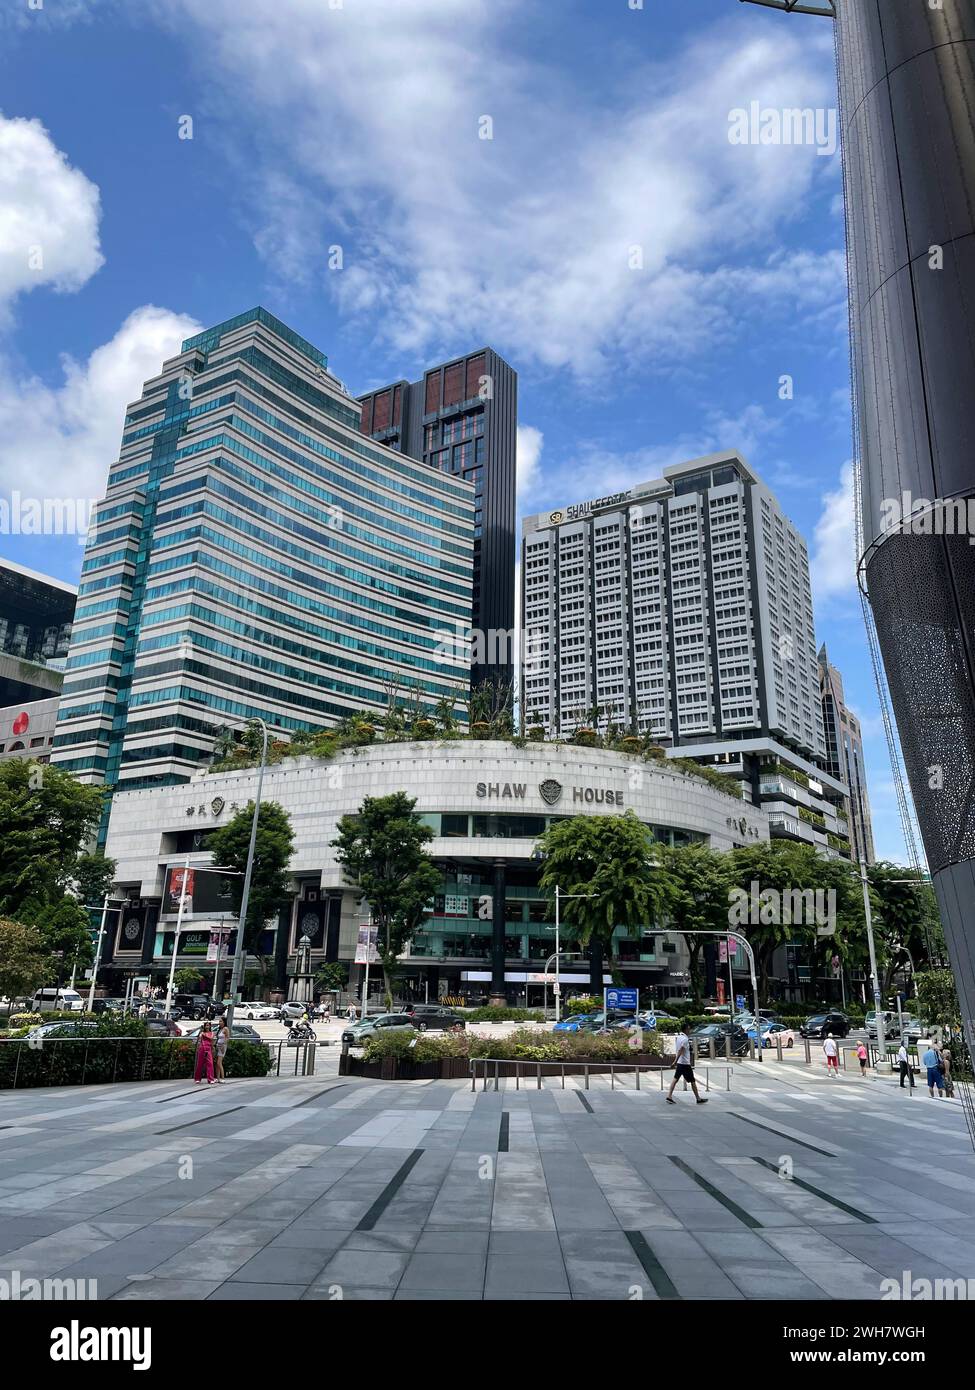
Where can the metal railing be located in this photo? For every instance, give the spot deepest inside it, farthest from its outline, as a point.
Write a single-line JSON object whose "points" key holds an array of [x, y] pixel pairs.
{"points": [[480, 1068], [130, 1059]]}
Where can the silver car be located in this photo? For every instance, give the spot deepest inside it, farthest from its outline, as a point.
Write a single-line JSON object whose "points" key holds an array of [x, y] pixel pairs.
{"points": [[357, 1033]]}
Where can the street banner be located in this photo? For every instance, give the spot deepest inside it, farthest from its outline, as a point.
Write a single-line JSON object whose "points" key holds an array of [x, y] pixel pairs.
{"points": [[366, 949], [217, 947]]}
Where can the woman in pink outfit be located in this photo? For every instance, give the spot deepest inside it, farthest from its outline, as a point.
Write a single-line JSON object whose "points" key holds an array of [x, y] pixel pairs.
{"points": [[204, 1055]]}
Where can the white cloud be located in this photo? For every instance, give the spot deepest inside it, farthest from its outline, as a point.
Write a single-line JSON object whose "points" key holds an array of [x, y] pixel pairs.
{"points": [[528, 458], [59, 441], [833, 562], [595, 470], [528, 238], [48, 214]]}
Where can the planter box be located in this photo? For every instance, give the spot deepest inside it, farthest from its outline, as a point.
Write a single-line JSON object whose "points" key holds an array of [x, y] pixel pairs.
{"points": [[458, 1068]]}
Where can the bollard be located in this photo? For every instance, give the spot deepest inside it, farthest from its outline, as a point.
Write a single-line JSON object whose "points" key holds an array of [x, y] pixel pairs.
{"points": [[539, 1086], [727, 1047], [309, 1069], [778, 1046], [808, 1054], [728, 1079]]}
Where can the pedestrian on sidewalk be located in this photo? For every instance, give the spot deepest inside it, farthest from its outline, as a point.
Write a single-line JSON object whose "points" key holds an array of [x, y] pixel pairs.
{"points": [[946, 1072], [932, 1060], [832, 1056], [683, 1070], [204, 1055], [862, 1057], [904, 1063], [223, 1038]]}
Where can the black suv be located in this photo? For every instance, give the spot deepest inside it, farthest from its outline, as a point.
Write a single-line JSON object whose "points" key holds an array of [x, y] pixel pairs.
{"points": [[196, 1006], [822, 1024], [433, 1017]]}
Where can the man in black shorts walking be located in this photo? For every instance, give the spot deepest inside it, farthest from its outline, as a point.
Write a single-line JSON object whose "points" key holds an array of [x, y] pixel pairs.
{"points": [[683, 1071]]}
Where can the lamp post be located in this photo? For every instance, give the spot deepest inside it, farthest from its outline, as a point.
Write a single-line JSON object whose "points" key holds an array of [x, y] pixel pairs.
{"points": [[559, 898], [98, 949], [245, 896]]}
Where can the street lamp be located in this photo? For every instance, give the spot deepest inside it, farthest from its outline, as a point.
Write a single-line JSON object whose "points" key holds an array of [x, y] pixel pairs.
{"points": [[559, 898], [245, 896], [98, 949], [197, 869]]}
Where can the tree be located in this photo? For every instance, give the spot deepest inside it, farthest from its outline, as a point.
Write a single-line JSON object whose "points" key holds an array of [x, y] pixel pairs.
{"points": [[697, 881], [331, 976], [24, 963], [65, 931], [46, 818], [906, 922], [272, 855], [94, 876], [187, 980], [604, 867], [780, 869], [382, 851]]}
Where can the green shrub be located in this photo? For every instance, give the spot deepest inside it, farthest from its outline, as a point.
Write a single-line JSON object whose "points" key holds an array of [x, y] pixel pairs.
{"points": [[583, 1004], [247, 1059], [523, 1045], [498, 1013], [25, 1020]]}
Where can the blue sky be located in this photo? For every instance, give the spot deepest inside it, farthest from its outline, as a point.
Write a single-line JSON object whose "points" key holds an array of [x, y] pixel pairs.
{"points": [[650, 281]]}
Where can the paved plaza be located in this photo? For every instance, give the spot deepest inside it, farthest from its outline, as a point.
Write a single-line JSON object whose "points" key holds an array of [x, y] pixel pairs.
{"points": [[329, 1188]]}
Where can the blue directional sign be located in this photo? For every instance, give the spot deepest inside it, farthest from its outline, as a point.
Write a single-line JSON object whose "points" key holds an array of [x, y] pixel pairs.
{"points": [[623, 999], [651, 1021], [739, 1001]]}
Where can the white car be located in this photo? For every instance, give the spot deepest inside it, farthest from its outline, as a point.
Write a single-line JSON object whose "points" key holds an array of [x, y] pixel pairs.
{"points": [[258, 1010]]}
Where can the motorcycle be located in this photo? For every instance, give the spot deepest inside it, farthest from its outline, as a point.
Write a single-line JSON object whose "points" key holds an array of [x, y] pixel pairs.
{"points": [[301, 1032]]}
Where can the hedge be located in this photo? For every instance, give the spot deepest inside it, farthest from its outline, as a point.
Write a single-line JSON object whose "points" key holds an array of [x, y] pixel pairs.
{"points": [[499, 1013], [522, 1045], [99, 1059]]}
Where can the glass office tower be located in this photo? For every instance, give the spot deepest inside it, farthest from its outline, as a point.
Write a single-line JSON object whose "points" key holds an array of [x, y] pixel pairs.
{"points": [[462, 419], [254, 555]]}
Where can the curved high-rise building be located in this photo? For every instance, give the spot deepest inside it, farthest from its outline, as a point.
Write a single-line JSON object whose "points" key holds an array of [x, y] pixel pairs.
{"points": [[907, 98], [907, 95]]}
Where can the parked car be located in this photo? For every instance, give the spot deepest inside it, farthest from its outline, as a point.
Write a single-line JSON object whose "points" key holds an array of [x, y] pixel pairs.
{"points": [[240, 1032], [60, 1030], [161, 1027], [257, 1009], [891, 1024], [914, 1029], [107, 1006], [773, 1034], [574, 1023], [357, 1033], [198, 1005], [57, 1000], [710, 1039], [435, 1018], [820, 1025], [156, 1012]]}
